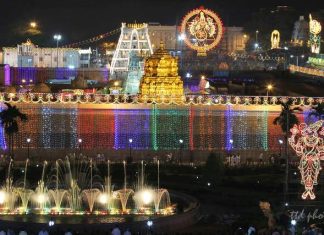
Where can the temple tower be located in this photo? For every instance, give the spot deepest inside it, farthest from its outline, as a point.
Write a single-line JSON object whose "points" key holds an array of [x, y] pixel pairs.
{"points": [[161, 78], [134, 40]]}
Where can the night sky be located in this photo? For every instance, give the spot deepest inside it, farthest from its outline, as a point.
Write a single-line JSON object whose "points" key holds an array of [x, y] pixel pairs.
{"points": [[81, 19]]}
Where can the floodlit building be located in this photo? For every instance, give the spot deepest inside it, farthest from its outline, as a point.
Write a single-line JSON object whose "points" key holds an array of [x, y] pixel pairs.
{"points": [[29, 55], [134, 38], [233, 39], [163, 33]]}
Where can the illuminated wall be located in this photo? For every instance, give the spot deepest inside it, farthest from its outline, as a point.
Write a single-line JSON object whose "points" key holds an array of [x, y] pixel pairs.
{"points": [[154, 127]]}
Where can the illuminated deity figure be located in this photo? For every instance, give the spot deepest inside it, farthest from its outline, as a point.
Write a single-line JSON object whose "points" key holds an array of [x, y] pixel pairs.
{"points": [[310, 148], [201, 27], [275, 39], [315, 29], [203, 30]]}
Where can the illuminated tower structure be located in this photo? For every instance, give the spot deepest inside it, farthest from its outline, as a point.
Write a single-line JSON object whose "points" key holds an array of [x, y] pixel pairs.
{"points": [[134, 40], [135, 73], [161, 77]]}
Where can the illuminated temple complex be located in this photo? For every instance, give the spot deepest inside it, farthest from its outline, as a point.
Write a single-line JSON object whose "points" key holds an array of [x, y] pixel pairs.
{"points": [[161, 78]]}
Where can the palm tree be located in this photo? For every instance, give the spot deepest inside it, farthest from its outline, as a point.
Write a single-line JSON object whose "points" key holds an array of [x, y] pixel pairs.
{"points": [[286, 120], [9, 120], [317, 111]]}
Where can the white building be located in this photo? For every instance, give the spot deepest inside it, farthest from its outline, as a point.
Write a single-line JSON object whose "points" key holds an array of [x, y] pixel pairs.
{"points": [[29, 55]]}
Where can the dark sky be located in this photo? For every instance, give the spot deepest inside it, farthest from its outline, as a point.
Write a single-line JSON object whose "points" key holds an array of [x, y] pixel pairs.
{"points": [[80, 19]]}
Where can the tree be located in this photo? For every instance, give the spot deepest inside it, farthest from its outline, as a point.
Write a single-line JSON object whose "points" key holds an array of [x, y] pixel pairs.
{"points": [[317, 111], [9, 120], [286, 120], [214, 169]]}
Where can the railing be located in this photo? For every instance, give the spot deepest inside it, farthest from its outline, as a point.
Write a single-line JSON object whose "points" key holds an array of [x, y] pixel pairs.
{"points": [[62, 98]]}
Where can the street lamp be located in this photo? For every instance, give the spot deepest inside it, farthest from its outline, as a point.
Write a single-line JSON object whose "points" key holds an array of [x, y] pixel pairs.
{"points": [[28, 142], [181, 38], [181, 150], [80, 144], [130, 141], [58, 38], [280, 143], [269, 88], [297, 58]]}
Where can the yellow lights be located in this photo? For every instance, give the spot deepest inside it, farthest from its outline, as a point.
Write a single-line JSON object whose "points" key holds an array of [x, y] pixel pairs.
{"points": [[269, 87], [33, 24], [136, 26], [161, 76], [103, 198], [203, 29], [245, 36], [315, 27], [275, 39], [203, 77], [116, 83], [147, 196], [40, 198], [2, 197]]}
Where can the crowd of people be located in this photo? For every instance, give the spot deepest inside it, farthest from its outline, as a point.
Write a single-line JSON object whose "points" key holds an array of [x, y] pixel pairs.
{"points": [[50, 231]]}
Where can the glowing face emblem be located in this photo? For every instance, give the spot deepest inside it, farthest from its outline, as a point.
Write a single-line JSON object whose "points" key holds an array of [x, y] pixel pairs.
{"points": [[203, 30], [307, 141]]}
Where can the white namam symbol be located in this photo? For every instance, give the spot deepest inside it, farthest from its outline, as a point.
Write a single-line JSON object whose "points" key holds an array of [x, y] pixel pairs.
{"points": [[307, 141]]}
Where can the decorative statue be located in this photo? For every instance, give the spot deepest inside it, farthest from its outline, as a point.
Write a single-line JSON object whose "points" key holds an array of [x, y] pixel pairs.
{"points": [[309, 147]]}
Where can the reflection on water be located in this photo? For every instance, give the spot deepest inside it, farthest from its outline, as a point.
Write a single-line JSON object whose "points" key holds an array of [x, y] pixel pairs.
{"points": [[76, 219]]}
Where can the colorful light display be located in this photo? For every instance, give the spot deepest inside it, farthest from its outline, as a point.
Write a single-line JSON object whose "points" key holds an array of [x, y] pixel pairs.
{"points": [[202, 30], [108, 122], [315, 29], [307, 141]]}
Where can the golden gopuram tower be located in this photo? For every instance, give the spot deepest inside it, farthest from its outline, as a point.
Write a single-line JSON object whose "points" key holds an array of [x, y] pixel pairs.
{"points": [[161, 78]]}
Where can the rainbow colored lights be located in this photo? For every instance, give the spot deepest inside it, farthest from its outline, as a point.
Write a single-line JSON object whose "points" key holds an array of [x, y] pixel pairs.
{"points": [[150, 127]]}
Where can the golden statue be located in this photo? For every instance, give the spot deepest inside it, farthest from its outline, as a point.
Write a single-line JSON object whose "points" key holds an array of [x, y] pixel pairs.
{"points": [[161, 76]]}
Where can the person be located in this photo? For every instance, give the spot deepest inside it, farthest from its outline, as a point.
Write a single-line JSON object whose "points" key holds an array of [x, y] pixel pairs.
{"points": [[251, 230], [127, 232], [261, 158], [116, 231], [2, 232], [43, 232], [10, 232], [276, 232], [68, 232], [22, 232]]}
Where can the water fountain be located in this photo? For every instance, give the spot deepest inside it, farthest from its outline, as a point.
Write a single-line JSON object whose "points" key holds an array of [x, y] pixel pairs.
{"points": [[72, 186], [23, 193], [57, 194], [123, 194]]}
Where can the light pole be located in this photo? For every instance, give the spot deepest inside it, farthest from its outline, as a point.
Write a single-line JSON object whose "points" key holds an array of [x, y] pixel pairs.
{"points": [[297, 58], [269, 88], [181, 150], [130, 141], [280, 143], [57, 37], [181, 38], [80, 144], [256, 45], [28, 142]]}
